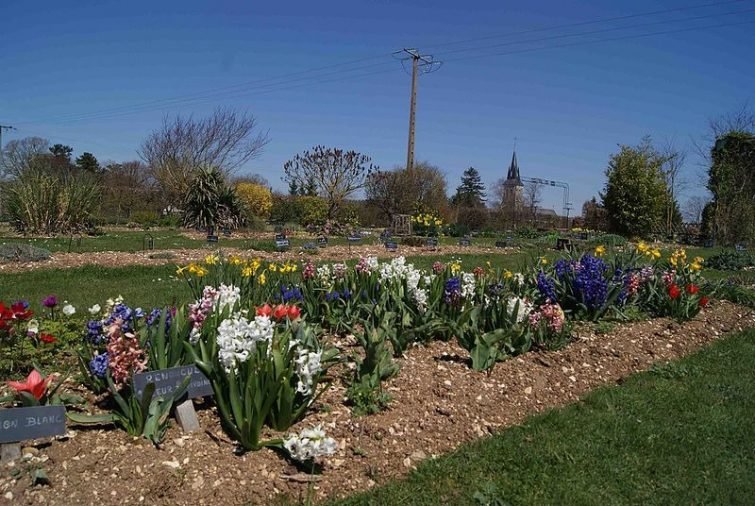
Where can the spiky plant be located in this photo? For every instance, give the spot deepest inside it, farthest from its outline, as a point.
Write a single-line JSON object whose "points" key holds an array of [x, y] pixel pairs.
{"points": [[210, 202]]}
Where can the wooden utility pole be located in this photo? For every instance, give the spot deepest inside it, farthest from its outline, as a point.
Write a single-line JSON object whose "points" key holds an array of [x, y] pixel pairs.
{"points": [[420, 64]]}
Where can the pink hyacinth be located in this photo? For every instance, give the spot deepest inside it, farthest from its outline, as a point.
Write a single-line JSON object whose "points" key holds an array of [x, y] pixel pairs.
{"points": [[669, 277], [125, 355], [438, 267], [551, 313], [199, 310], [362, 267], [633, 284], [309, 270]]}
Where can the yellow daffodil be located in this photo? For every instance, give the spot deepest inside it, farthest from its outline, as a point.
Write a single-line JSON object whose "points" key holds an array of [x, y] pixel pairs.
{"points": [[438, 222], [455, 267], [262, 279], [543, 261], [694, 267], [698, 260], [642, 247], [247, 271], [234, 260], [211, 259], [656, 253], [600, 250], [273, 267], [507, 274], [180, 270]]}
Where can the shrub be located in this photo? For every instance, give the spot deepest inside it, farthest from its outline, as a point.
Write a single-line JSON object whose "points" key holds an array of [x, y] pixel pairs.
{"points": [[257, 199], [145, 219], [731, 260], [43, 203], [210, 202], [23, 253]]}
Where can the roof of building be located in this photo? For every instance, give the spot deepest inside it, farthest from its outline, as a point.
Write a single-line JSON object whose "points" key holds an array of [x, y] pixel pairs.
{"points": [[513, 175]]}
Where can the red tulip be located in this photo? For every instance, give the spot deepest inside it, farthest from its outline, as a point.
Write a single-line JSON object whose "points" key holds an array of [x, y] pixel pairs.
{"points": [[47, 338], [294, 313], [35, 384], [674, 292], [692, 289], [703, 301], [280, 312], [20, 312], [265, 310]]}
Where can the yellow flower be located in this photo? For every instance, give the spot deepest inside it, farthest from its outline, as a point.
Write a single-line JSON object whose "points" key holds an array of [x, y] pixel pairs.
{"points": [[273, 267], [656, 253], [642, 247], [211, 259], [600, 250], [507, 274], [181, 269], [438, 222], [455, 267], [698, 260], [543, 261], [262, 279], [234, 260], [695, 266], [247, 272]]}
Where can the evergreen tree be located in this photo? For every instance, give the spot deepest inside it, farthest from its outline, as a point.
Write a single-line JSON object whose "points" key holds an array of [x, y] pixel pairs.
{"points": [[88, 162], [471, 191]]}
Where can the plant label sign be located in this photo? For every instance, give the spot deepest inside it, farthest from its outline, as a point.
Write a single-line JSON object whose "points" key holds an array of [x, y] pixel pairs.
{"points": [[212, 238], [391, 245], [465, 241], [354, 238], [310, 246], [167, 380], [282, 242], [20, 424], [432, 242], [500, 244], [322, 241]]}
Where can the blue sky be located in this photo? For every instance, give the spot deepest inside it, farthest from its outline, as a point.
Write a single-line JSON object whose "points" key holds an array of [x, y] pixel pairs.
{"points": [[71, 70]]}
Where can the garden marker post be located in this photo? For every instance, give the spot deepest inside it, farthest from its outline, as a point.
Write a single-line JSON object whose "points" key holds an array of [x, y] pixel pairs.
{"points": [[281, 242], [322, 241], [20, 424]]}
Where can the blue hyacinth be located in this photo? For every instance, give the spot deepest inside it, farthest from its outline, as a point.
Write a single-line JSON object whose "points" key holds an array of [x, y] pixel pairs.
{"points": [[154, 317], [99, 364], [590, 283], [452, 291], [546, 286], [94, 332], [290, 294]]}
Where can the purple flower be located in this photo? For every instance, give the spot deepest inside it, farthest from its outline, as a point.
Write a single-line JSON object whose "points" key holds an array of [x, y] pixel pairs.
{"points": [[94, 332], [452, 291], [590, 283], [50, 301], [99, 364], [546, 286]]}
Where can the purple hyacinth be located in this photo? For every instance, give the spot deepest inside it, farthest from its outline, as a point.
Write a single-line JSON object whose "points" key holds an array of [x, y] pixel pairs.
{"points": [[99, 364], [95, 333], [291, 294]]}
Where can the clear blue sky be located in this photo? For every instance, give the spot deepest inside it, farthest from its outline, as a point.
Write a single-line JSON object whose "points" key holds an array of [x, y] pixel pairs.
{"points": [[568, 106]]}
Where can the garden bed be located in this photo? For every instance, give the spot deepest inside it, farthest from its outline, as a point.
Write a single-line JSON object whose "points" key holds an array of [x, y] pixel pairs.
{"points": [[438, 404], [184, 256]]}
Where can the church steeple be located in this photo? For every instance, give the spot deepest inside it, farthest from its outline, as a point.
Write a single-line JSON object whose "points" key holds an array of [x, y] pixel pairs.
{"points": [[513, 174]]}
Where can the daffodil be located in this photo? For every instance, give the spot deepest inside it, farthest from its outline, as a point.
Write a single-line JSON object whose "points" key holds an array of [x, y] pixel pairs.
{"points": [[695, 266], [262, 279], [234, 260], [507, 274], [211, 259], [543, 261], [273, 267], [600, 250], [247, 271], [656, 253], [642, 247]]}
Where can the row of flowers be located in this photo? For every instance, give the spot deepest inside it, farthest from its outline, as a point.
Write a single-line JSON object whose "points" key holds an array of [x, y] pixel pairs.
{"points": [[256, 330]]}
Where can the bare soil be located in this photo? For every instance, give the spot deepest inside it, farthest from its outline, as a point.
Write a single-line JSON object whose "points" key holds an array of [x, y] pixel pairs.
{"points": [[438, 403]]}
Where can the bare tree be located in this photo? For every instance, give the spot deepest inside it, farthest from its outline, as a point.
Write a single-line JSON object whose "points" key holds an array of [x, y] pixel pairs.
{"points": [[335, 174], [532, 195], [402, 191], [20, 154], [694, 208], [226, 140], [128, 187], [673, 160]]}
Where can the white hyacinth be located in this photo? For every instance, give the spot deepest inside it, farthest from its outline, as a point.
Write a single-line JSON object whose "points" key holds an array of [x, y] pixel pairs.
{"points": [[325, 276], [310, 444], [372, 263], [519, 278], [308, 365], [525, 308], [227, 296], [467, 285], [237, 338]]}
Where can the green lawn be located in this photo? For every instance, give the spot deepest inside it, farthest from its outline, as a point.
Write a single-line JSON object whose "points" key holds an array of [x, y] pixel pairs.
{"points": [[682, 433]]}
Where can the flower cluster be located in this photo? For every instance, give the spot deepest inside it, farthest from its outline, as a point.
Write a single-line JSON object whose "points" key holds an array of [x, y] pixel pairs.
{"points": [[291, 294], [398, 270], [467, 285], [11, 316], [310, 444], [308, 272], [124, 353], [237, 338], [99, 364], [590, 282], [452, 291], [335, 295], [651, 253], [551, 314], [279, 312], [366, 265], [522, 307], [308, 365], [546, 286], [427, 219]]}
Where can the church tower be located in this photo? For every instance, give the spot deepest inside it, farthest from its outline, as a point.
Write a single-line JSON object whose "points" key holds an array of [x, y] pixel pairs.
{"points": [[513, 191]]}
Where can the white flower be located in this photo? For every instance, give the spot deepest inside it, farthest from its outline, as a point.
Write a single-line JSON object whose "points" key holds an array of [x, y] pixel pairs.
{"points": [[325, 276], [237, 338], [519, 278], [420, 298], [372, 263], [467, 285], [68, 310], [32, 327], [310, 444], [308, 365], [227, 296], [95, 310], [525, 308]]}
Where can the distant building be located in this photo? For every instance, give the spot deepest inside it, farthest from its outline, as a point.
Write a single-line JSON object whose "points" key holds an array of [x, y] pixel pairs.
{"points": [[513, 193]]}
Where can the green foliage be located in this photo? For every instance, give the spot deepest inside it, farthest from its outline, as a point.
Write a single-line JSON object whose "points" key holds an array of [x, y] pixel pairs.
{"points": [[310, 210], [731, 260], [635, 194], [731, 180], [365, 392], [491, 333], [210, 202], [471, 192], [88, 162], [146, 219], [41, 202], [146, 416]]}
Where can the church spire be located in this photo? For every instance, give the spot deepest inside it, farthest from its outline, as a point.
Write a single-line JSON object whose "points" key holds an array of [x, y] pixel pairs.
{"points": [[513, 174]]}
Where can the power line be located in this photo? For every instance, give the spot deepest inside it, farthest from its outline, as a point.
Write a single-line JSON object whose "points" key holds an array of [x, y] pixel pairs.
{"points": [[242, 88], [586, 23]]}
